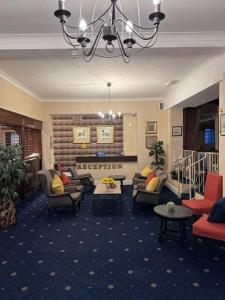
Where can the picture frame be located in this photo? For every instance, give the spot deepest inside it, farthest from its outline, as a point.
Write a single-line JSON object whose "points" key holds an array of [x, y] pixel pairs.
{"points": [[151, 127], [105, 134], [81, 134], [222, 124], [177, 131], [150, 140]]}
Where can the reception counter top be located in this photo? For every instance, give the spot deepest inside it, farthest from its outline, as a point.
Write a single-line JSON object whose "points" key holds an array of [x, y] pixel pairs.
{"points": [[97, 159]]}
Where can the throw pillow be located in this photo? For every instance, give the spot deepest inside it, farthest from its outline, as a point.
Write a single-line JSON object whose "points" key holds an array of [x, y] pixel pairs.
{"points": [[65, 179], [146, 171], [217, 214], [149, 178], [73, 173], [57, 185], [152, 185]]}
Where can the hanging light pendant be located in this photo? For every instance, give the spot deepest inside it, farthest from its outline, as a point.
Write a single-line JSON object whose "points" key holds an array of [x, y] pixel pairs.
{"points": [[108, 26], [110, 116]]}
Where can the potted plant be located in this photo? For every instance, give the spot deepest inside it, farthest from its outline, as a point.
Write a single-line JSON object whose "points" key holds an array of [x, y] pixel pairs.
{"points": [[156, 150], [174, 174], [11, 176]]}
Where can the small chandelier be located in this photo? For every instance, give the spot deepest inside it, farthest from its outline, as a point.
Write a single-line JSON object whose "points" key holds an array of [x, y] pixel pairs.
{"points": [[110, 28], [110, 116]]}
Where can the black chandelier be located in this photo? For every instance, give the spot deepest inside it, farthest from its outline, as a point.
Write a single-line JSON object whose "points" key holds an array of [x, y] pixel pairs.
{"points": [[110, 30]]}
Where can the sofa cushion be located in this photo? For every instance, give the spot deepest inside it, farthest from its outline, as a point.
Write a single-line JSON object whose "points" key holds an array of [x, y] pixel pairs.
{"points": [[217, 213], [211, 230], [199, 207], [153, 185], [149, 178], [57, 185], [146, 171], [65, 179]]}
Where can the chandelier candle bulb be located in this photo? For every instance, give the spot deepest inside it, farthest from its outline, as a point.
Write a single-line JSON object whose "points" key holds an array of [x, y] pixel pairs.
{"points": [[129, 27], [83, 25], [62, 4]]}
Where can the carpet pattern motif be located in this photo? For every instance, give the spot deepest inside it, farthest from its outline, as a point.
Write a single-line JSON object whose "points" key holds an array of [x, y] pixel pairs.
{"points": [[103, 257]]}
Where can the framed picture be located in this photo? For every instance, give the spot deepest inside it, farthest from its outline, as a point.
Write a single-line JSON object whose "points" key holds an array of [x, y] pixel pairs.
{"points": [[105, 134], [81, 134], [222, 124], [176, 130], [150, 140], [151, 127]]}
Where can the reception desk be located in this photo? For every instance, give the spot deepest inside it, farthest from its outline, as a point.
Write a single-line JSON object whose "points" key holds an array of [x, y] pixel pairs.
{"points": [[97, 159]]}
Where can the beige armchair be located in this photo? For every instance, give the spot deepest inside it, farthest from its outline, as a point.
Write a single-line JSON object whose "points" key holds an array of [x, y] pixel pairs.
{"points": [[140, 195], [65, 200]]}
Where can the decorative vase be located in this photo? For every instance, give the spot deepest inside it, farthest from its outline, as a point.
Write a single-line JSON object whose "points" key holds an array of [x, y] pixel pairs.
{"points": [[170, 205]]}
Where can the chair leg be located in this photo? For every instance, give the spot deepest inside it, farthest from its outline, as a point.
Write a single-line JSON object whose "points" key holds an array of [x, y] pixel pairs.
{"points": [[74, 209], [195, 245], [134, 206]]}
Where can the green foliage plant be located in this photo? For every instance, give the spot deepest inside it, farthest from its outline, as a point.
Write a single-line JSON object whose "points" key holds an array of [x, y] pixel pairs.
{"points": [[156, 150], [12, 169]]}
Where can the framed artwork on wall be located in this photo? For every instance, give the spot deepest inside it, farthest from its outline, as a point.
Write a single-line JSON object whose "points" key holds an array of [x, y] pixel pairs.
{"points": [[222, 124], [81, 134], [105, 134], [150, 140], [176, 130], [151, 127]]}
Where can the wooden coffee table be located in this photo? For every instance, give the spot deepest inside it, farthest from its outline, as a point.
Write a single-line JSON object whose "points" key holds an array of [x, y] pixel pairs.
{"points": [[179, 214], [102, 194]]}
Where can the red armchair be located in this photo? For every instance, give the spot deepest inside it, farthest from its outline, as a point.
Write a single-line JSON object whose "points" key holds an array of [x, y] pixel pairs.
{"points": [[213, 192], [207, 229]]}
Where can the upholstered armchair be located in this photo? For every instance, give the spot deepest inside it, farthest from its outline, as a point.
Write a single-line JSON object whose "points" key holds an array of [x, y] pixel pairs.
{"points": [[86, 179], [65, 200], [213, 192], [74, 185], [140, 195], [138, 179]]}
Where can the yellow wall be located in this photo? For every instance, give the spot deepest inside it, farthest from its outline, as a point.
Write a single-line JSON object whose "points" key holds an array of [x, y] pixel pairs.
{"points": [[14, 99], [145, 110]]}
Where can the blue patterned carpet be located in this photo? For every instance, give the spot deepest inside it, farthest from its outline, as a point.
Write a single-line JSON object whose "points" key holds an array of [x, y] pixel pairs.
{"points": [[103, 257]]}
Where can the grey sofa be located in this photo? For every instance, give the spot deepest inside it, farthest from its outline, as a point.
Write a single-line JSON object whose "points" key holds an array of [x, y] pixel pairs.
{"points": [[66, 200], [140, 195]]}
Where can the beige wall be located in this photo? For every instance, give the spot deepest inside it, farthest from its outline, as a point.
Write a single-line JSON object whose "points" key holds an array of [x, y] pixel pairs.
{"points": [[145, 110], [175, 143], [222, 138], [14, 99]]}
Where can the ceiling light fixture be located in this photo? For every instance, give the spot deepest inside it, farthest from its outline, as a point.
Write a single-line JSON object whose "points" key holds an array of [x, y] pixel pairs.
{"points": [[110, 116], [110, 28]]}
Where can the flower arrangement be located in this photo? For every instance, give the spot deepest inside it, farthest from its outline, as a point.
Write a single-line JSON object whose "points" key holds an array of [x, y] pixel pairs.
{"points": [[170, 205], [109, 182]]}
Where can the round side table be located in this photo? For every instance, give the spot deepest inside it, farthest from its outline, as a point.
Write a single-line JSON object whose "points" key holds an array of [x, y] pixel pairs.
{"points": [[179, 214]]}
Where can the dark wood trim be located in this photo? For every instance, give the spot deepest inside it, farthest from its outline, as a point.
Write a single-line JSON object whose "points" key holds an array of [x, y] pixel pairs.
{"points": [[131, 158], [11, 118]]}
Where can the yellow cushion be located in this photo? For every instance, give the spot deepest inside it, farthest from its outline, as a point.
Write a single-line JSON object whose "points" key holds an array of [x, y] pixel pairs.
{"points": [[146, 171], [57, 185], [153, 184]]}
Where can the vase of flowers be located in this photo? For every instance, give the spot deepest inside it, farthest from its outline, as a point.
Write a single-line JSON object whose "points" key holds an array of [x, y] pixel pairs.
{"points": [[109, 182]]}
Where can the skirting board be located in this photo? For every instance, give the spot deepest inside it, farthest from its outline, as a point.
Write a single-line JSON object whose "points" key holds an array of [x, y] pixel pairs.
{"points": [[172, 188]]}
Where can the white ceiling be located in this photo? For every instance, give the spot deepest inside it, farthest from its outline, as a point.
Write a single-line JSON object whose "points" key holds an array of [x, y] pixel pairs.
{"points": [[36, 16], [53, 74]]}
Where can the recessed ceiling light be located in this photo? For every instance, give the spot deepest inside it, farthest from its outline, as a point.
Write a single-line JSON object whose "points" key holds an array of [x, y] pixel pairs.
{"points": [[171, 82]]}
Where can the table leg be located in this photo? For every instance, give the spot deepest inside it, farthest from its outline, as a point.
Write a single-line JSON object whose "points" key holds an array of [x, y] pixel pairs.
{"points": [[121, 185]]}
